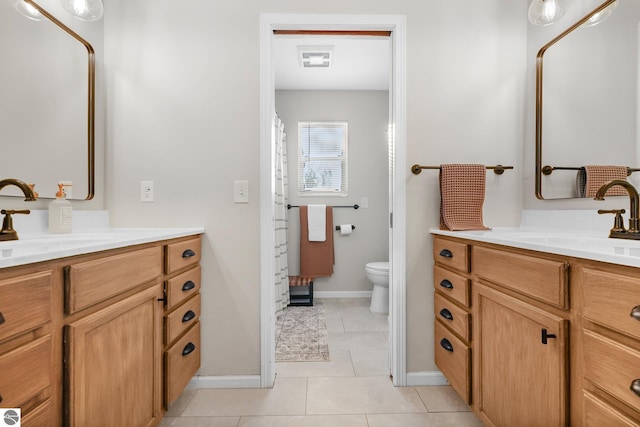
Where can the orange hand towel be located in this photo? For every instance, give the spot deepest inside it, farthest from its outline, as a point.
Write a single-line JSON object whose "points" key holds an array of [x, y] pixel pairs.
{"points": [[462, 196], [592, 177], [316, 258]]}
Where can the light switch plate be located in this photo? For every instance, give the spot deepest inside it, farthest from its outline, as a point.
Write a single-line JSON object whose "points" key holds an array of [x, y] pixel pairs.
{"points": [[146, 191], [241, 191]]}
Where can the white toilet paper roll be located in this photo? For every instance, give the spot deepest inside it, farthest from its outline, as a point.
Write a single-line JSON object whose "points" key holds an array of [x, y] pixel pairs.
{"points": [[345, 229]]}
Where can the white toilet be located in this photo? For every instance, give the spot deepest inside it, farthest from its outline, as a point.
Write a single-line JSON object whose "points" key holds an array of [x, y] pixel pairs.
{"points": [[378, 274]]}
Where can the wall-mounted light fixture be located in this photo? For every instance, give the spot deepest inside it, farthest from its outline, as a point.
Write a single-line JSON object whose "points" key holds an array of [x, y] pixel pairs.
{"points": [[86, 10], [547, 12]]}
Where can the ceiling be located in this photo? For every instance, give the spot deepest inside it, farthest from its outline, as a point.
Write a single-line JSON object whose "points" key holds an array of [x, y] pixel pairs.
{"points": [[357, 63]]}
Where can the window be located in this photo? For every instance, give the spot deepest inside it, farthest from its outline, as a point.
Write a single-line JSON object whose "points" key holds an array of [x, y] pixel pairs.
{"points": [[322, 158]]}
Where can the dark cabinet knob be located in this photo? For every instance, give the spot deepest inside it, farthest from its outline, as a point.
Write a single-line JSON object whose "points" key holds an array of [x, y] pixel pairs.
{"points": [[446, 314], [188, 285], [635, 312], [446, 344], [188, 349], [189, 315], [1, 318], [446, 253], [188, 253], [635, 387], [446, 284], [546, 336]]}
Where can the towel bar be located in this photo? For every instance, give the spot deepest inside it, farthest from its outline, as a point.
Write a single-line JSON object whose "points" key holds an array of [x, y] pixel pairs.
{"points": [[498, 169], [353, 206], [548, 170]]}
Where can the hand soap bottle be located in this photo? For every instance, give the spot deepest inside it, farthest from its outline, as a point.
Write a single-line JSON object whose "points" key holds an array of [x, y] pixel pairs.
{"points": [[60, 213]]}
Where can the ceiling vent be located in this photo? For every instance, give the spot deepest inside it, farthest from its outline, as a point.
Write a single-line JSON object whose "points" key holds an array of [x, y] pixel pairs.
{"points": [[315, 56]]}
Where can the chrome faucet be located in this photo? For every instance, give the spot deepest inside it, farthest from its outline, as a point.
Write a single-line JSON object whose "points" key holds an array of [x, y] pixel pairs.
{"points": [[7, 232], [619, 232]]}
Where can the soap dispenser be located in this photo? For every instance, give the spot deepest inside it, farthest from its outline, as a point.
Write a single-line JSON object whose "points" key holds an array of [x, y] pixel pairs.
{"points": [[60, 213]]}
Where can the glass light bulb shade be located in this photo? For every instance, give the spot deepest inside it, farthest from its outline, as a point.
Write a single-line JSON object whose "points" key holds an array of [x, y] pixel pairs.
{"points": [[545, 12], [85, 10], [601, 16], [27, 10]]}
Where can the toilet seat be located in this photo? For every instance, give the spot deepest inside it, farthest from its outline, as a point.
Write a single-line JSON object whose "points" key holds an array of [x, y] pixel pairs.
{"points": [[378, 267]]}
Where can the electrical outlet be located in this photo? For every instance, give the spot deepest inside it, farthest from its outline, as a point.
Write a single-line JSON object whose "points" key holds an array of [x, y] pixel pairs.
{"points": [[146, 191]]}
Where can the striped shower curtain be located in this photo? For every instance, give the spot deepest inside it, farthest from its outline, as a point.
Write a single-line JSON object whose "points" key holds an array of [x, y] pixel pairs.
{"points": [[280, 220]]}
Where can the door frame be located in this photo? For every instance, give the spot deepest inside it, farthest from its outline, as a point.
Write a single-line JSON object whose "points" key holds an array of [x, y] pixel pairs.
{"points": [[397, 178]]}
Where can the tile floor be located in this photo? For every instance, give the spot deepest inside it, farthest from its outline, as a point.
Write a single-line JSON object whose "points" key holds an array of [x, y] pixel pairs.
{"points": [[352, 390]]}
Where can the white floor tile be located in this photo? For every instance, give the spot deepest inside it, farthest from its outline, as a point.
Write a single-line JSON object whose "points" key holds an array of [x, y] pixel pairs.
{"points": [[306, 421], [360, 395]]}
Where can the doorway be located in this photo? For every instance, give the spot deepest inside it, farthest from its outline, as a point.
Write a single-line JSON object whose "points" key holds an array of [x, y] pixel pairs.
{"points": [[397, 166]]}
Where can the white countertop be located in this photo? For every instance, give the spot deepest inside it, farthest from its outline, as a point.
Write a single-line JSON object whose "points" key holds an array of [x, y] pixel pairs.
{"points": [[37, 247], [580, 234], [587, 246]]}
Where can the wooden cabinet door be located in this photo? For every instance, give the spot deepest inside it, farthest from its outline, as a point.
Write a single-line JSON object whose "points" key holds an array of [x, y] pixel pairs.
{"points": [[520, 380], [113, 364]]}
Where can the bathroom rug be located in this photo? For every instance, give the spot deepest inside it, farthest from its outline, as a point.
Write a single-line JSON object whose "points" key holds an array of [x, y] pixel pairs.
{"points": [[301, 335]]}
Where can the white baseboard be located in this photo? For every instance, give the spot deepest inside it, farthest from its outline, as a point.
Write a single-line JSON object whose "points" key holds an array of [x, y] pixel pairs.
{"points": [[414, 379], [342, 294], [426, 378], [240, 381]]}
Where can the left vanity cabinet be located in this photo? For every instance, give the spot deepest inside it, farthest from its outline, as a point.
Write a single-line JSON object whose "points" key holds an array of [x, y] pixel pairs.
{"points": [[82, 337], [112, 339], [26, 364]]}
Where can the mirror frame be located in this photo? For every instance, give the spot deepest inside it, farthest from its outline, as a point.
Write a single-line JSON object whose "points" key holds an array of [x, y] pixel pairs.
{"points": [[91, 101], [547, 170]]}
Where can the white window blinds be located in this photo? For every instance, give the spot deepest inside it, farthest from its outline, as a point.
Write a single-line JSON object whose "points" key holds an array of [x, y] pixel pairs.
{"points": [[322, 158]]}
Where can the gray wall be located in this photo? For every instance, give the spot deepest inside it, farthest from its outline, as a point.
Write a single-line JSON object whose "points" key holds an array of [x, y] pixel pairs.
{"points": [[367, 113], [183, 102]]}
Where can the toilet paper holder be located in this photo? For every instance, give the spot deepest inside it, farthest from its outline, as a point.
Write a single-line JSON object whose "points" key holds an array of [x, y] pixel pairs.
{"points": [[338, 228]]}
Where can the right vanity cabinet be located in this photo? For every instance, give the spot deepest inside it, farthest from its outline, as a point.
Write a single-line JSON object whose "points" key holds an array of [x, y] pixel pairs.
{"points": [[555, 339]]}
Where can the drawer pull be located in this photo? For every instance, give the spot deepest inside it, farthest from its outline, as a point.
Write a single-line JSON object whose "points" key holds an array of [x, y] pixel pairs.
{"points": [[635, 312], [188, 253], [546, 336], [188, 349], [444, 343], [188, 285], [446, 253], [635, 387], [446, 284], [1, 318], [446, 314], [189, 315]]}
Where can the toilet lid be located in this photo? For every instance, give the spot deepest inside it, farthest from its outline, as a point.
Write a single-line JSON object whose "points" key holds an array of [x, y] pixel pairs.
{"points": [[382, 266]]}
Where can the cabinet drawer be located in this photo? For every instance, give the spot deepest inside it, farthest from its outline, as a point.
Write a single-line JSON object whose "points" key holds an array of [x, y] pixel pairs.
{"points": [[182, 361], [453, 358], [183, 286], [182, 254], [38, 417], [452, 285], [542, 279], [457, 319], [26, 371], [611, 366], [597, 413], [609, 299], [453, 254], [88, 283], [25, 303], [181, 319]]}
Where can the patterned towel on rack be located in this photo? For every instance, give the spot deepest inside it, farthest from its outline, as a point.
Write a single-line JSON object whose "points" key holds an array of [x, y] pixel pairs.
{"points": [[462, 189], [591, 177]]}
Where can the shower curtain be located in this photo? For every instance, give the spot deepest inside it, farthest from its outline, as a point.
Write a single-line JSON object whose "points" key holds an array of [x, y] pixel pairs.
{"points": [[280, 219]]}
